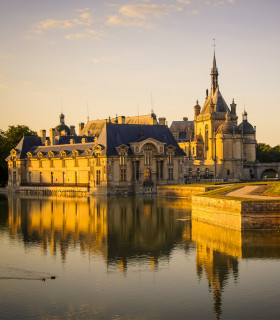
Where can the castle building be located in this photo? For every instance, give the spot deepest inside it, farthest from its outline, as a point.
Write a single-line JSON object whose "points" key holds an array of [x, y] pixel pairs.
{"points": [[216, 146], [122, 158]]}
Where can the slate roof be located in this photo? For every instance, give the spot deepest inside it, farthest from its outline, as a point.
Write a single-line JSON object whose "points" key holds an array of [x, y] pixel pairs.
{"points": [[219, 102], [77, 139], [25, 145], [246, 128], [114, 135], [68, 148]]}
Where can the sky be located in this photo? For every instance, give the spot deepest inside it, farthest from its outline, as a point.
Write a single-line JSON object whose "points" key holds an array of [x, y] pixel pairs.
{"points": [[101, 58]]}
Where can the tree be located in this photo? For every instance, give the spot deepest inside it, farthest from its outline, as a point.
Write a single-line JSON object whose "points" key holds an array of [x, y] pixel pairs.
{"points": [[9, 140], [266, 153]]}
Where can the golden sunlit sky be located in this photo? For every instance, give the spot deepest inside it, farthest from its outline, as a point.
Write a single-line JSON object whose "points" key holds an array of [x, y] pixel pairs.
{"points": [[112, 56]]}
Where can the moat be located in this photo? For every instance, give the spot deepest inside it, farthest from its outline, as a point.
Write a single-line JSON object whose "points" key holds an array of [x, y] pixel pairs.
{"points": [[131, 258]]}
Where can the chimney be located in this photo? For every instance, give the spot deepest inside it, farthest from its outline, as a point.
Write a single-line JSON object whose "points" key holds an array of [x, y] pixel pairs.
{"points": [[185, 119], [72, 130], [161, 121], [43, 136], [121, 120], [81, 127], [84, 140], [47, 142], [71, 141], [52, 143]]}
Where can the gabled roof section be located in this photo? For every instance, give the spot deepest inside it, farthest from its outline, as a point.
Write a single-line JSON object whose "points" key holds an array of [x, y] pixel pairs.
{"points": [[25, 145], [114, 135], [218, 101]]}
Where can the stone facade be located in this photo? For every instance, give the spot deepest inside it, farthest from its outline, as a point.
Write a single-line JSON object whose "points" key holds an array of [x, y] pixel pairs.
{"points": [[216, 146], [125, 158]]}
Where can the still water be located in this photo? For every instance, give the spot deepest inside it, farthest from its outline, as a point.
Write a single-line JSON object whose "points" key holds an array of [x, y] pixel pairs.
{"points": [[131, 258]]}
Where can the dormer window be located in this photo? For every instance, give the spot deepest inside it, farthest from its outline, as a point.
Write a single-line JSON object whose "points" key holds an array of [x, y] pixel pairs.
{"points": [[98, 159], [170, 158]]}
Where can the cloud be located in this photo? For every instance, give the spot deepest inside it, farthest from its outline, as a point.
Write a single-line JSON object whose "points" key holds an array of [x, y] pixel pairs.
{"points": [[104, 59], [127, 22], [27, 83], [184, 1], [2, 86], [142, 11], [90, 33], [84, 19], [194, 12], [3, 75]]}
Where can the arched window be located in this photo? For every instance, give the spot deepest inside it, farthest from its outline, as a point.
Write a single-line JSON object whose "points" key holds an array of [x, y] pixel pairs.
{"points": [[198, 172]]}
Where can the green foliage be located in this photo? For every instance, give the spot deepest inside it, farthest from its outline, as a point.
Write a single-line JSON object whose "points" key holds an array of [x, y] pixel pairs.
{"points": [[8, 140], [266, 153]]}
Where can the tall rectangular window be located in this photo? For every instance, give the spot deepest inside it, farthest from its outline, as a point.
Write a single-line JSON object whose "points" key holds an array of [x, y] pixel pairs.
{"points": [[170, 174], [98, 177], [147, 159], [123, 175], [170, 158], [137, 171], [122, 158]]}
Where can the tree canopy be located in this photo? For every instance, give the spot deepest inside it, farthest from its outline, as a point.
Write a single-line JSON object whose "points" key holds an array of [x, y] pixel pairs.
{"points": [[266, 153], [8, 140]]}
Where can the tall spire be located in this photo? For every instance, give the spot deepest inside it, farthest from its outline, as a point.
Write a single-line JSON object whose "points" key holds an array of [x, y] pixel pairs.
{"points": [[214, 75]]}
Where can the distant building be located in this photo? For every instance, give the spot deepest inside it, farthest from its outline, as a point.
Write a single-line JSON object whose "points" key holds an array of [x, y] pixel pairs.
{"points": [[122, 158], [216, 146]]}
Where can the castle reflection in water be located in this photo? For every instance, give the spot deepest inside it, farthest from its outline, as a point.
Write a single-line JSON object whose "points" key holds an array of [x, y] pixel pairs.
{"points": [[138, 229]]}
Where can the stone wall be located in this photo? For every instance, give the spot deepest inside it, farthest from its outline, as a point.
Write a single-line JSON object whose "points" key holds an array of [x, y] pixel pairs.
{"points": [[181, 191]]}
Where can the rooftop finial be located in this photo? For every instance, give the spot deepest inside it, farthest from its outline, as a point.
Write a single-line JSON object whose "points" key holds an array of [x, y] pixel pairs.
{"points": [[214, 71]]}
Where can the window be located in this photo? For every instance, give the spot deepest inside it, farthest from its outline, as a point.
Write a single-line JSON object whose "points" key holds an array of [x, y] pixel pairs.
{"points": [[170, 174], [147, 174], [123, 175], [98, 177], [40, 163], [147, 158], [170, 158], [98, 159], [51, 177], [51, 163], [161, 170], [76, 161], [122, 158], [63, 163], [198, 172], [206, 172], [40, 177], [190, 172], [89, 177], [30, 177], [63, 177], [137, 171], [76, 177], [206, 139]]}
